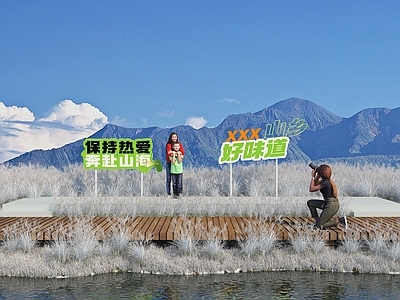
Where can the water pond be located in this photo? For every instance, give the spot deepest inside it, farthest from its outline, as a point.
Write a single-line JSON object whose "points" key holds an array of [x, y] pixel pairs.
{"points": [[262, 285]]}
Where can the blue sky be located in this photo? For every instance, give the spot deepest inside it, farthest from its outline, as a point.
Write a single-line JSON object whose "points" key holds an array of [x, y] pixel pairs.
{"points": [[169, 63]]}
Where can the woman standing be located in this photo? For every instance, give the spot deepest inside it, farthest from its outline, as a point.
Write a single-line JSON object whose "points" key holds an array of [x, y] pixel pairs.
{"points": [[173, 137], [321, 181]]}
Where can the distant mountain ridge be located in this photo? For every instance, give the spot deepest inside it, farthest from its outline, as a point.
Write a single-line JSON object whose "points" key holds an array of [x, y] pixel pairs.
{"points": [[370, 132]]}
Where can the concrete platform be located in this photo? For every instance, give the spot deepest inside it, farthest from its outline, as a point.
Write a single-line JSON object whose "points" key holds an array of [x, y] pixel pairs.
{"points": [[28, 207], [357, 206], [373, 207]]}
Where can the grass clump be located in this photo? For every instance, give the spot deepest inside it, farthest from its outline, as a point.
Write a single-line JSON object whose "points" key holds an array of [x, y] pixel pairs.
{"points": [[17, 237], [258, 239]]}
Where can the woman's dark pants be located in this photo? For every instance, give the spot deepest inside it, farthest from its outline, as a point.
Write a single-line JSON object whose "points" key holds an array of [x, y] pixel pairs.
{"points": [[329, 206]]}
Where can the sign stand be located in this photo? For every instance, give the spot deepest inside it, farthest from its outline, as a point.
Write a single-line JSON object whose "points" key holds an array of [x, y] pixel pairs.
{"points": [[95, 183], [230, 180], [141, 184], [276, 178]]}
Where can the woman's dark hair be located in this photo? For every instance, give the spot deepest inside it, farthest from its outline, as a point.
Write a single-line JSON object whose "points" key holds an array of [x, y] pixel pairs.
{"points": [[170, 138]]}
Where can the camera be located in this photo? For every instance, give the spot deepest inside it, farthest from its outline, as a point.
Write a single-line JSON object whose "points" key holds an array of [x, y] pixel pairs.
{"points": [[312, 166]]}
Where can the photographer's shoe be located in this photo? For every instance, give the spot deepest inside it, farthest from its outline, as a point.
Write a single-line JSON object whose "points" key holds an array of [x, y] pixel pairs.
{"points": [[312, 226], [343, 222]]}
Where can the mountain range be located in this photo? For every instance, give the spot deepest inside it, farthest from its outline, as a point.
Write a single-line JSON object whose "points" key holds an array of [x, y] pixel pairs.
{"points": [[372, 135]]}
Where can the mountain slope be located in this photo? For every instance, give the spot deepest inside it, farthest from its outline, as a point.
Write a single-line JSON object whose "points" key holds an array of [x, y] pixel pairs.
{"points": [[373, 131]]}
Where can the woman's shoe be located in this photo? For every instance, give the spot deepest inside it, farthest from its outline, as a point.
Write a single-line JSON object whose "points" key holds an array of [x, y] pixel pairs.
{"points": [[312, 226], [343, 222]]}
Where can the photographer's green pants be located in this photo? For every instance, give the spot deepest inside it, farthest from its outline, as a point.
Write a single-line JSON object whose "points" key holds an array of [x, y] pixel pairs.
{"points": [[329, 206]]}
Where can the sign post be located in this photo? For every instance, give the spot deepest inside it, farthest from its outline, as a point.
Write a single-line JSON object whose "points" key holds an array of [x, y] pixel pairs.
{"points": [[230, 180], [276, 178], [95, 183]]}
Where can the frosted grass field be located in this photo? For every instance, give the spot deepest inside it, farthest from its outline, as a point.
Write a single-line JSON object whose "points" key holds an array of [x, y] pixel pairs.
{"points": [[205, 193], [256, 180]]}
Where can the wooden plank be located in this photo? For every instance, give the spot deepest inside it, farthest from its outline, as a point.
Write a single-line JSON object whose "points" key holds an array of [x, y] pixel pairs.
{"points": [[204, 228], [150, 230], [102, 226], [286, 231], [205, 231], [157, 229], [171, 229], [46, 228], [236, 227], [306, 220], [164, 229], [130, 226], [50, 230], [16, 224], [4, 221], [230, 229], [140, 224], [294, 221], [383, 227], [57, 230], [195, 230], [390, 221], [8, 226], [194, 224], [242, 226], [224, 229], [145, 228], [358, 229], [333, 234], [176, 228], [215, 222]]}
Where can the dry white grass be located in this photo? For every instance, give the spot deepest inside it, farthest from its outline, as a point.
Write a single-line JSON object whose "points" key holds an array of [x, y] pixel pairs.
{"points": [[187, 206], [205, 194], [255, 181], [155, 260]]}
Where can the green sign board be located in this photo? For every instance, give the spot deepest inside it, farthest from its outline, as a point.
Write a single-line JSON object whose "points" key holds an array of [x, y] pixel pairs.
{"points": [[260, 149], [116, 154]]}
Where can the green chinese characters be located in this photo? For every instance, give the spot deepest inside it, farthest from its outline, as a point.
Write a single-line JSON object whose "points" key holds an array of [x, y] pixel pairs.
{"points": [[116, 154]]}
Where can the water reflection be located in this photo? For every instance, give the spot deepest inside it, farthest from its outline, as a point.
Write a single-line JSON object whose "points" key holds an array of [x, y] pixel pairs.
{"points": [[266, 285]]}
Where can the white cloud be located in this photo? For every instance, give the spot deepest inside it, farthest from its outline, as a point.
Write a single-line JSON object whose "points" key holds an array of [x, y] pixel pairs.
{"points": [[230, 100], [65, 123], [71, 114], [196, 122], [144, 122], [168, 113], [14, 113], [120, 121]]}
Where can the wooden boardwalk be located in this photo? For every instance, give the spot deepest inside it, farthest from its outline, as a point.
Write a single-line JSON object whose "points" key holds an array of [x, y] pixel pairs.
{"points": [[200, 228]]}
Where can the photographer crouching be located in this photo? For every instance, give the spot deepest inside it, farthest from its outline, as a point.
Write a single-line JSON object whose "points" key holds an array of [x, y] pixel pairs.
{"points": [[321, 181]]}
